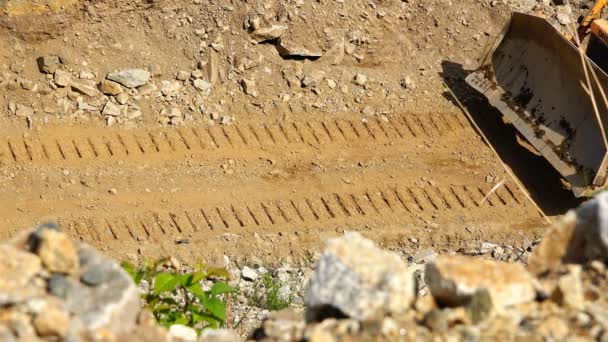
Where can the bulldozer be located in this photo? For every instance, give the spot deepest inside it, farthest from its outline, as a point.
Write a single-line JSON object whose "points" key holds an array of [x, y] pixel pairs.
{"points": [[548, 84]]}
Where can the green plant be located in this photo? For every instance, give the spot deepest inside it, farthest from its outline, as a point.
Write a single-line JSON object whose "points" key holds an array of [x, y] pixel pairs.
{"points": [[198, 308], [267, 295]]}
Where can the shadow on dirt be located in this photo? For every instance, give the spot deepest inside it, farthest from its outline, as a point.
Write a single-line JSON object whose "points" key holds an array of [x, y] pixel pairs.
{"points": [[537, 175]]}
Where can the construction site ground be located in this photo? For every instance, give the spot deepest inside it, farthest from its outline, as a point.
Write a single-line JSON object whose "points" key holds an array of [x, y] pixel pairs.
{"points": [[272, 172]]}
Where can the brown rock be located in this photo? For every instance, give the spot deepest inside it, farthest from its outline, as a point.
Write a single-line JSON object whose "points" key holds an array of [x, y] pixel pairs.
{"points": [[268, 33], [291, 49], [212, 67], [569, 289], [453, 280], [57, 252], [110, 87], [62, 78], [48, 64], [335, 55], [86, 87], [549, 253], [22, 267], [51, 321]]}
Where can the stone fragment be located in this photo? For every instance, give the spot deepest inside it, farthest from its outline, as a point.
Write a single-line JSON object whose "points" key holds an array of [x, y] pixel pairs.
{"points": [[213, 67], [359, 279], [219, 335], [368, 111], [22, 267], [249, 274], [182, 75], [201, 85], [288, 49], [62, 78], [578, 237], [453, 280], [360, 79], [248, 87], [86, 87], [168, 88], [437, 320], [111, 109], [122, 98], [569, 290], [57, 252], [182, 333], [130, 78], [112, 304], [52, 321], [480, 306], [24, 111], [312, 78], [86, 75], [424, 256], [48, 64], [110, 87], [335, 55], [268, 33]]}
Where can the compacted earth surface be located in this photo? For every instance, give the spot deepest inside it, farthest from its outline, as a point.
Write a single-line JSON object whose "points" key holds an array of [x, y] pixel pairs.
{"points": [[199, 129], [245, 133]]}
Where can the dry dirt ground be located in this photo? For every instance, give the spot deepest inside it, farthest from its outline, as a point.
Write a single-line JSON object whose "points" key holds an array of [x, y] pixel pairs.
{"points": [[308, 151]]}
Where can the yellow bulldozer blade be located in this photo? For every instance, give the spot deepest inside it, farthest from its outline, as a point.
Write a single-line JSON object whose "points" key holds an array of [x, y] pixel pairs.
{"points": [[535, 77]]}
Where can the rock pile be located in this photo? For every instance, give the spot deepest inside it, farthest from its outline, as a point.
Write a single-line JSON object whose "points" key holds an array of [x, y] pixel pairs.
{"points": [[359, 292], [54, 289]]}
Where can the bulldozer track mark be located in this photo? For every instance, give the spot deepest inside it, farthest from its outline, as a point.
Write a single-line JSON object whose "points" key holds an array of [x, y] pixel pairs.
{"points": [[384, 204], [133, 144]]}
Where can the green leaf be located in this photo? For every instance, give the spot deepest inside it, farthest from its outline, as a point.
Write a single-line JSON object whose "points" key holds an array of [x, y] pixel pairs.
{"points": [[129, 268], [165, 282], [216, 307], [221, 287], [139, 275], [198, 316], [198, 276], [197, 290]]}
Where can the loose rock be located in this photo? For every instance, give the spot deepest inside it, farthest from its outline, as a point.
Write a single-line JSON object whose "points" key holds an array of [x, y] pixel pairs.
{"points": [[359, 279], [130, 78], [453, 280]]}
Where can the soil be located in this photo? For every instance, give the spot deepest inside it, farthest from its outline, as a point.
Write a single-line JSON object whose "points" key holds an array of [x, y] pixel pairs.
{"points": [[270, 173]]}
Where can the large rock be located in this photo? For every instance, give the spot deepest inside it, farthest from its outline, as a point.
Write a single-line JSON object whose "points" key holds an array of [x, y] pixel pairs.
{"points": [[130, 78], [48, 64], [453, 280], [17, 270], [57, 252], [580, 236], [67, 289], [360, 280]]}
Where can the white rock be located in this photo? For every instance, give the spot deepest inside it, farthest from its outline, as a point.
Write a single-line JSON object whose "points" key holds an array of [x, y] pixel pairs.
{"points": [[359, 279], [130, 78], [201, 85], [182, 333], [249, 274], [360, 79], [219, 335], [168, 88]]}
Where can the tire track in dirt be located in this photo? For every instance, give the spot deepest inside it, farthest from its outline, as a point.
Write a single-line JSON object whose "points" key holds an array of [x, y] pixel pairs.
{"points": [[379, 204], [74, 145]]}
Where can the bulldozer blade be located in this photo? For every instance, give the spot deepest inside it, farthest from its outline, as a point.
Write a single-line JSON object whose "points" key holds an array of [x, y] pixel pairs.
{"points": [[535, 77]]}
